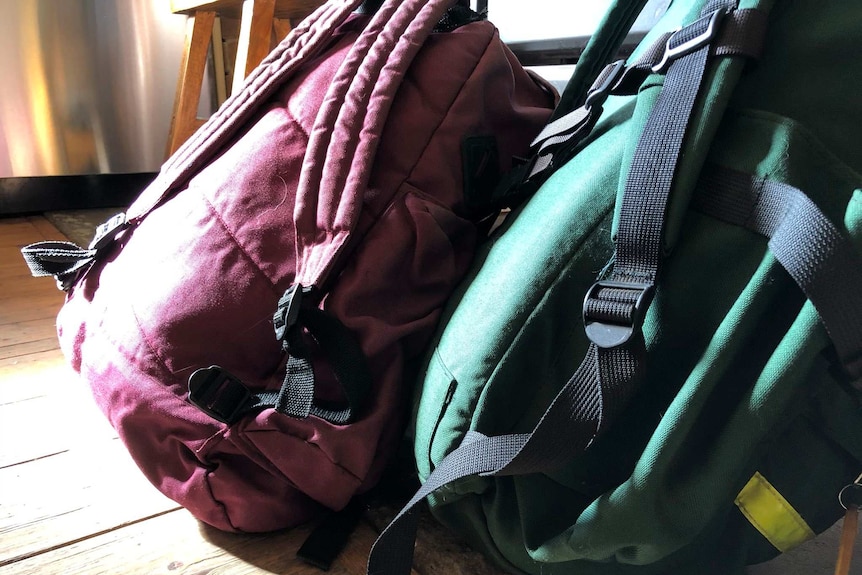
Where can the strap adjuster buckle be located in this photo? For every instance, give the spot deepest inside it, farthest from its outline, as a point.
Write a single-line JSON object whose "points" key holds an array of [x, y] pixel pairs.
{"points": [[218, 393], [679, 44], [613, 310], [605, 83]]}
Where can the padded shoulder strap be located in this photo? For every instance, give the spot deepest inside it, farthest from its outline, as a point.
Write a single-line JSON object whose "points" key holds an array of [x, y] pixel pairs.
{"points": [[344, 139], [303, 43]]}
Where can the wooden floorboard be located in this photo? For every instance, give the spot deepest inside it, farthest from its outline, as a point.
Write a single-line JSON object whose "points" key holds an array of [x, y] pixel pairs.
{"points": [[176, 543], [71, 495]]}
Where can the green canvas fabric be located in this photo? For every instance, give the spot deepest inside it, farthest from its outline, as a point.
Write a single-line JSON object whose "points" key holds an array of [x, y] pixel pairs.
{"points": [[740, 374]]}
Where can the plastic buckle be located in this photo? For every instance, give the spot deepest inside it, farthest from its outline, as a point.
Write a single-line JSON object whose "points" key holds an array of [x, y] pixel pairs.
{"points": [[607, 334], [609, 80], [106, 232], [287, 314], [217, 393], [673, 51]]}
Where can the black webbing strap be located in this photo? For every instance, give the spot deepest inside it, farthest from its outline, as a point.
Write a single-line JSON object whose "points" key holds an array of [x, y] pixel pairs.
{"points": [[601, 48], [331, 535], [65, 260], [741, 34], [613, 311], [344, 357], [814, 252], [226, 398]]}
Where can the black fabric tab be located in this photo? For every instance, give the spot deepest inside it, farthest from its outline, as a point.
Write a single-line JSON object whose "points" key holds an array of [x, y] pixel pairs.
{"points": [[328, 539], [458, 15], [65, 260], [480, 161]]}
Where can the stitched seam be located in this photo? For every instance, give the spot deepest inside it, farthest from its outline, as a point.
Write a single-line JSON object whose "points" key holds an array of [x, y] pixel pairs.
{"points": [[170, 375], [162, 363], [249, 432], [784, 504], [448, 112], [297, 123], [236, 242], [245, 441]]}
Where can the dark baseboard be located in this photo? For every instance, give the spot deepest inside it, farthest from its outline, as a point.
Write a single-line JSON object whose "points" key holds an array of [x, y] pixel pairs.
{"points": [[83, 192], [565, 51]]}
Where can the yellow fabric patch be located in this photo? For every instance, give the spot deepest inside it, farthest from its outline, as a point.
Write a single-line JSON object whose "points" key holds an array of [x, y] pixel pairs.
{"points": [[772, 515]]}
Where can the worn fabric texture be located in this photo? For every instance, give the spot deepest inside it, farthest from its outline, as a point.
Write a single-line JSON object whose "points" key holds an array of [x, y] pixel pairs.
{"points": [[740, 377], [233, 220]]}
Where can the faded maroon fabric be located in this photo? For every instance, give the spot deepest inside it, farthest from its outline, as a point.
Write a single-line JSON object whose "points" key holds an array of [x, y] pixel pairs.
{"points": [[279, 188]]}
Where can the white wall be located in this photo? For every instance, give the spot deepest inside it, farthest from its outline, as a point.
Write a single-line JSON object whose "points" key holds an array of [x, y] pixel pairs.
{"points": [[547, 19]]}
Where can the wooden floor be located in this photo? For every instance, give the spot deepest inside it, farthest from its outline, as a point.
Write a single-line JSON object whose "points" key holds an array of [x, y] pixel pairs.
{"points": [[71, 499]]}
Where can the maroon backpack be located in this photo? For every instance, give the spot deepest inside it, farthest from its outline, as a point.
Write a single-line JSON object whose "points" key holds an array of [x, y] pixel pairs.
{"points": [[249, 324]]}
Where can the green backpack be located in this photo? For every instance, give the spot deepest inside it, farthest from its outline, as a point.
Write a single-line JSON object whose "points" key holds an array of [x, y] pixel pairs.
{"points": [[655, 365]]}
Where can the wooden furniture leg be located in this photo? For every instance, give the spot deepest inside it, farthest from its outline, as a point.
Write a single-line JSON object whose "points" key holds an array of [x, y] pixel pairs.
{"points": [[184, 122], [282, 27], [255, 36], [260, 21]]}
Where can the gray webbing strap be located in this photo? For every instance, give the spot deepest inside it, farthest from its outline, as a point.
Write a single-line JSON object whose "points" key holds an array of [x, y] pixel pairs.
{"points": [[741, 34], [610, 372], [805, 242]]}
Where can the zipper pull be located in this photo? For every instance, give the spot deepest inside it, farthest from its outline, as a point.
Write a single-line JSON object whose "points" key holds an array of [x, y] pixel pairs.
{"points": [[850, 498]]}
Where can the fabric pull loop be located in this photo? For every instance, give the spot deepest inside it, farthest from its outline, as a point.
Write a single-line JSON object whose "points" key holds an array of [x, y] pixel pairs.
{"points": [[64, 260], [772, 515], [296, 315]]}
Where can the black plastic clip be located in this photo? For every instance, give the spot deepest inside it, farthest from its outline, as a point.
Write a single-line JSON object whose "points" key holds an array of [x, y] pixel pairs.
{"points": [[679, 44], [286, 316], [106, 232], [605, 83], [610, 321], [219, 394]]}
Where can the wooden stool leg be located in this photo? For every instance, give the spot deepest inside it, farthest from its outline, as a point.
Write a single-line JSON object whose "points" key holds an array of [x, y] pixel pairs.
{"points": [[184, 122], [282, 28], [219, 63], [255, 33]]}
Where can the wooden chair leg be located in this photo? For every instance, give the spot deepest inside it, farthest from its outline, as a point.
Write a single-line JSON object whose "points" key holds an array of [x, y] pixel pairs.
{"points": [[184, 122], [281, 27], [255, 34], [219, 63]]}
